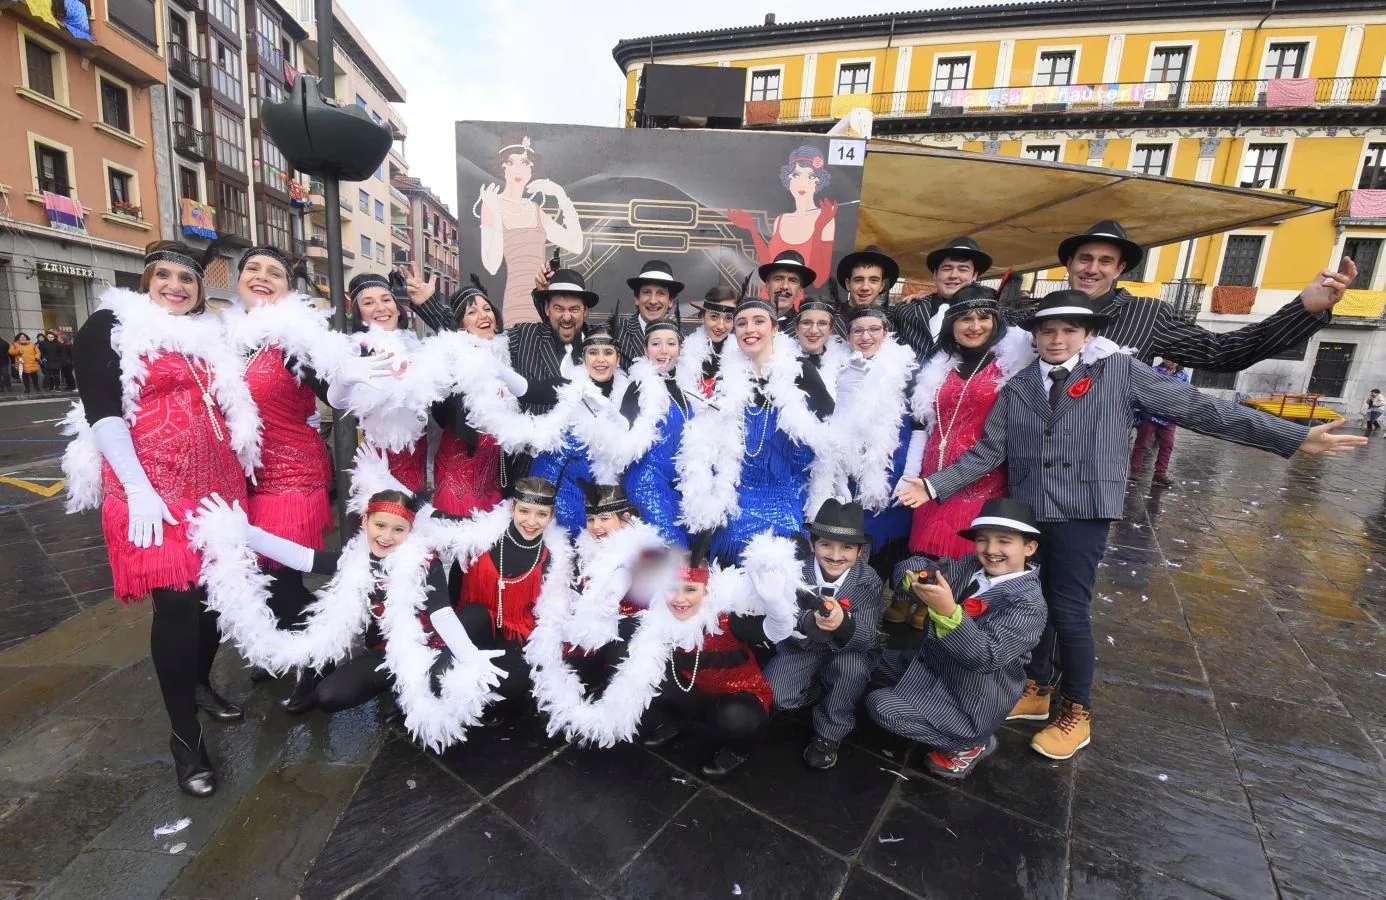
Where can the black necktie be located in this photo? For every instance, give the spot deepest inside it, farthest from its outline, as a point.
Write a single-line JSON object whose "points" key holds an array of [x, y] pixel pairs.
{"points": [[1057, 376], [973, 588]]}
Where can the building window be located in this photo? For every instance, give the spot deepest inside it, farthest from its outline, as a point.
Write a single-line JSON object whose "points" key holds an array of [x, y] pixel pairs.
{"points": [[1365, 252], [232, 217], [951, 73], [366, 245], [1332, 364], [1056, 67], [230, 140], [1169, 64], [364, 201], [115, 105], [52, 170], [379, 253], [268, 37], [226, 70], [1151, 159], [379, 211], [1373, 168], [376, 117], [360, 101], [266, 91], [139, 17], [183, 108], [1261, 165], [380, 171], [1295, 353], [1241, 258], [177, 30], [227, 12], [765, 84], [854, 78], [1217, 381], [273, 170], [188, 184], [41, 66], [1046, 152], [119, 184], [275, 227], [1285, 60]]}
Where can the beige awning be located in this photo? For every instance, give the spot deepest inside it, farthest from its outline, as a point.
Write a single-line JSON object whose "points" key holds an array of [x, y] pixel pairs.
{"points": [[914, 198]]}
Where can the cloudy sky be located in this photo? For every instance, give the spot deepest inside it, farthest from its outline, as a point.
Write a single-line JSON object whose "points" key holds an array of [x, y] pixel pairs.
{"points": [[537, 60]]}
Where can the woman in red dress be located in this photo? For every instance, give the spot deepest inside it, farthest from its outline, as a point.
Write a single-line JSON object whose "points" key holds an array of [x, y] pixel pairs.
{"points": [[978, 353], [164, 421], [810, 228]]}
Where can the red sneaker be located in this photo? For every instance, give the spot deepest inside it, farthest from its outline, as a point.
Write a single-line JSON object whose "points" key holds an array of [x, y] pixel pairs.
{"points": [[959, 763]]}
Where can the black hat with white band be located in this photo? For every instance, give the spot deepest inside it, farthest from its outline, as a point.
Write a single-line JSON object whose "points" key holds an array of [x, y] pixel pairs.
{"points": [[566, 281], [960, 248], [1004, 514], [1108, 231], [871, 256], [658, 273], [792, 261], [1075, 306], [838, 521]]}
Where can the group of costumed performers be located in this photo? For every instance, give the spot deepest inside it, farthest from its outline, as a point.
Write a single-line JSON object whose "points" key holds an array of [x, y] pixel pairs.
{"points": [[546, 556]]}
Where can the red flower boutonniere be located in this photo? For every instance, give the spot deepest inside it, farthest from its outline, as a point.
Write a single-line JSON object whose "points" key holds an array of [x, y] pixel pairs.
{"points": [[974, 606], [1080, 387]]}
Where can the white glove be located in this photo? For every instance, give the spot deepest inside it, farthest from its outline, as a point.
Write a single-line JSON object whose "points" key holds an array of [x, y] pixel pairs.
{"points": [[237, 524], [858, 361], [611, 592], [769, 584], [270, 546], [356, 369], [448, 627], [516, 383], [914, 457], [148, 512]]}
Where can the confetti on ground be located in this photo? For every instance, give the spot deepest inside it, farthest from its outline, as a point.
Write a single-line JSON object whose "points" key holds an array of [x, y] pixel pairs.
{"points": [[1111, 640], [1172, 564], [680, 780], [487, 833], [1382, 674], [1180, 541], [412, 784], [951, 831], [888, 839], [172, 827], [177, 848], [1163, 777], [736, 890], [898, 775]]}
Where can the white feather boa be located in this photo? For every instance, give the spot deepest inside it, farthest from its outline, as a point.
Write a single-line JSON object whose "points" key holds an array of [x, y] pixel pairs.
{"points": [[612, 442], [697, 347], [144, 330], [592, 622], [714, 442], [616, 715], [835, 356], [393, 412], [1013, 352], [296, 327], [869, 426]]}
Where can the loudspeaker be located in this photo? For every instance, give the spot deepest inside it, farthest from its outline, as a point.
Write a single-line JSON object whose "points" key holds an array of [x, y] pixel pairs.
{"points": [[687, 95]]}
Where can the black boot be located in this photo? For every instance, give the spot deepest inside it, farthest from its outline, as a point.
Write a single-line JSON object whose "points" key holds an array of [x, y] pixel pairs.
{"points": [[215, 705], [660, 735], [193, 768], [820, 754], [259, 675], [723, 763], [304, 695]]}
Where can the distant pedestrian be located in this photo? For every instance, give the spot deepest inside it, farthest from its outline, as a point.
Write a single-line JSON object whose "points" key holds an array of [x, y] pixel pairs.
{"points": [[27, 358], [1159, 430], [6, 365], [50, 352], [68, 371], [1372, 408]]}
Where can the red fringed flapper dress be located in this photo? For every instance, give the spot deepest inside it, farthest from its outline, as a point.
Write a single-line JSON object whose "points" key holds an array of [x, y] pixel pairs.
{"points": [[289, 496], [464, 481], [959, 415], [183, 446], [515, 599], [410, 465], [726, 665]]}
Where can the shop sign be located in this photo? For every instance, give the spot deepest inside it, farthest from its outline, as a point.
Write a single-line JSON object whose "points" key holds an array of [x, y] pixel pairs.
{"points": [[58, 268]]}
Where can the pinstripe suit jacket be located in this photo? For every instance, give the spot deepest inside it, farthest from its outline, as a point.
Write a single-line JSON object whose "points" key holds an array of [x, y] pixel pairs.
{"points": [[966, 683], [631, 343], [861, 588], [537, 355], [1071, 462]]}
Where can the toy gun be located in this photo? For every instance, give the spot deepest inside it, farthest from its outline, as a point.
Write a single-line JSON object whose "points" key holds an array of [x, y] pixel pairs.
{"points": [[926, 575], [824, 595]]}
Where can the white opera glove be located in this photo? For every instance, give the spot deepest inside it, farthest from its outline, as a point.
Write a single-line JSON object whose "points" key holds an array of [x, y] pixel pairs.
{"points": [[147, 511], [237, 523], [613, 590], [358, 369], [514, 382], [281, 550], [858, 361], [448, 627], [914, 457]]}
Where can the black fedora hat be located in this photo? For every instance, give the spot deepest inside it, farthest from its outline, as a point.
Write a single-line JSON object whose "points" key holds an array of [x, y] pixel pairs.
{"points": [[1068, 304], [565, 281], [871, 256], [789, 259], [1004, 514], [656, 272], [838, 521], [1108, 231], [959, 248]]}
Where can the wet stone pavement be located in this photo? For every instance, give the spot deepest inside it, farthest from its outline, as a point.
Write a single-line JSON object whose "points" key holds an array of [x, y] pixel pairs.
{"points": [[1237, 750]]}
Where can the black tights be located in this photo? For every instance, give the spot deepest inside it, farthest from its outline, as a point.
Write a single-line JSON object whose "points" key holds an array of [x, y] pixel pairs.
{"points": [[354, 682], [737, 720], [476, 620], [183, 640], [289, 597]]}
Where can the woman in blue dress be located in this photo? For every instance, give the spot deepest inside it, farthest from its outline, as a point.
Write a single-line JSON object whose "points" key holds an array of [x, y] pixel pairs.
{"points": [[761, 456]]}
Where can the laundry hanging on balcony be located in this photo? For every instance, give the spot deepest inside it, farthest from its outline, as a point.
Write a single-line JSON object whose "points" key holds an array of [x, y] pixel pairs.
{"points": [[77, 20], [1291, 91], [1367, 204]]}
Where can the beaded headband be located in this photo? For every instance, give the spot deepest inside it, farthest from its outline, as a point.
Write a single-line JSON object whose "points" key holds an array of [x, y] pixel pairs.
{"points": [[873, 311], [600, 339], [695, 574], [615, 505], [265, 251], [370, 281], [816, 305], [717, 306], [536, 499], [756, 303], [173, 256], [394, 509], [663, 325]]}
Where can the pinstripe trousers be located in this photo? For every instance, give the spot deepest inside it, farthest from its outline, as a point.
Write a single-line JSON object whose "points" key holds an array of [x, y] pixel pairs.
{"points": [[832, 681]]}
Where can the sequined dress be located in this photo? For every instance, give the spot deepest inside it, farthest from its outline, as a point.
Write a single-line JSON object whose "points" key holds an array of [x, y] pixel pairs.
{"points": [[726, 665], [564, 467], [773, 488], [651, 481]]}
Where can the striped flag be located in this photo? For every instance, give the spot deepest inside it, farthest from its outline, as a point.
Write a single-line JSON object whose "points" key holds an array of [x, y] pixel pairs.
{"points": [[65, 213]]}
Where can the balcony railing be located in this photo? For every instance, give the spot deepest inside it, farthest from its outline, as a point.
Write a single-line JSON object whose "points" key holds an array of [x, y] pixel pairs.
{"points": [[185, 64], [1189, 95], [400, 234], [1361, 207], [399, 196], [190, 142]]}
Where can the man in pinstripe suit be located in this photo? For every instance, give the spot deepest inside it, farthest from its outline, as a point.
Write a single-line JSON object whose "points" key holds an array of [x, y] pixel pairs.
{"points": [[537, 349], [956, 689], [832, 662], [656, 292], [954, 266], [1062, 425]]}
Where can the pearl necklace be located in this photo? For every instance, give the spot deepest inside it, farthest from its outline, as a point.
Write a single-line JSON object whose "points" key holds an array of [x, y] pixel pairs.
{"points": [[674, 671], [757, 410], [207, 401], [502, 582], [938, 411], [250, 360]]}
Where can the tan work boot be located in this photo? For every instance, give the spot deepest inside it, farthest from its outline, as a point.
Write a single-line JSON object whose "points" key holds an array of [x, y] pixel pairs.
{"points": [[1033, 704], [919, 617], [899, 610], [1070, 732]]}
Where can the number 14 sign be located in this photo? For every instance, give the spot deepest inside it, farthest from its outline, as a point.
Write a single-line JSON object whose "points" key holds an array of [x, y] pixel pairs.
{"points": [[846, 153]]}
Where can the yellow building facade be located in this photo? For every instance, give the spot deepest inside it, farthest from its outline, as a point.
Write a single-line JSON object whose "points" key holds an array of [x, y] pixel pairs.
{"points": [[1218, 91]]}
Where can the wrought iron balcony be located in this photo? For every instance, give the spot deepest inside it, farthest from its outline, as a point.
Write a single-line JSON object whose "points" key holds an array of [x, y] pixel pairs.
{"points": [[190, 142], [186, 65], [1361, 207]]}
